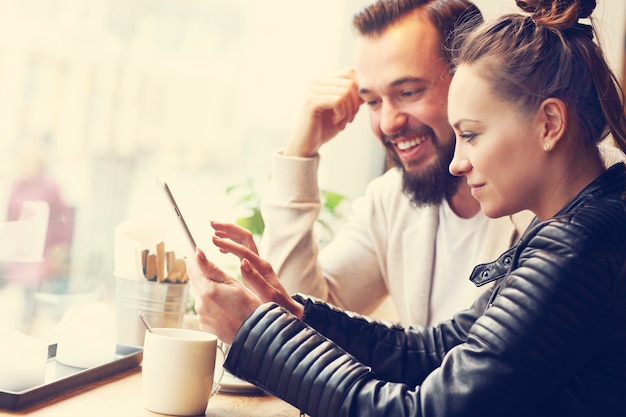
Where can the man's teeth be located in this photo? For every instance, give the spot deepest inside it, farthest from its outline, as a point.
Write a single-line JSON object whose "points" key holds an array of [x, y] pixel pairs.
{"points": [[410, 143]]}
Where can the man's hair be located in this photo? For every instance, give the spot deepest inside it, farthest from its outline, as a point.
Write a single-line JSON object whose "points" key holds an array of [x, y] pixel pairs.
{"points": [[446, 15]]}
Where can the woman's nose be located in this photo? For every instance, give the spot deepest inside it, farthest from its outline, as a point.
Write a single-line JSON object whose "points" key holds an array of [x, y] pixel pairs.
{"points": [[459, 165]]}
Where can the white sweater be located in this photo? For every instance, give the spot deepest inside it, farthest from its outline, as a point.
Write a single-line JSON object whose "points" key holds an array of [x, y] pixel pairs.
{"points": [[386, 247]]}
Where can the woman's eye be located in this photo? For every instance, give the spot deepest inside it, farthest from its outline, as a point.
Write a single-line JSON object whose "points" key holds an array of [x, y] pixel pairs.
{"points": [[468, 136]]}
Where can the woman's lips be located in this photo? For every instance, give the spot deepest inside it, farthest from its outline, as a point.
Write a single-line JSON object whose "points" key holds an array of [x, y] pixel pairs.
{"points": [[475, 189]]}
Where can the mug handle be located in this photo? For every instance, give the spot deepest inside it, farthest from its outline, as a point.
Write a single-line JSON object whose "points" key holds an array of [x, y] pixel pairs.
{"points": [[220, 357]]}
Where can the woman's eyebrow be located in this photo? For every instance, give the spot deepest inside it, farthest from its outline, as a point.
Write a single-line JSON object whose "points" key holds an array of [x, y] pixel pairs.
{"points": [[458, 123]]}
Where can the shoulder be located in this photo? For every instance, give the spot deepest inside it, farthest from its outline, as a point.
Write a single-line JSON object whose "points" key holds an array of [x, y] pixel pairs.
{"points": [[594, 227], [600, 208]]}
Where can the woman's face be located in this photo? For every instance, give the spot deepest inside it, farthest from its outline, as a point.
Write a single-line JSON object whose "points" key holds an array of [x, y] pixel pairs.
{"points": [[498, 148]]}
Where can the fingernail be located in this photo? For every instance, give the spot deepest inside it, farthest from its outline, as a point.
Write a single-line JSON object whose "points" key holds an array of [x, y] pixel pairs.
{"points": [[245, 265]]}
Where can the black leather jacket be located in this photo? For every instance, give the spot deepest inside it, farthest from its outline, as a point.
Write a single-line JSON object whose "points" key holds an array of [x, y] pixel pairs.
{"points": [[548, 339]]}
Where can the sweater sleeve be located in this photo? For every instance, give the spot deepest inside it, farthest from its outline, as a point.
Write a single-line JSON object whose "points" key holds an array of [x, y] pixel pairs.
{"points": [[348, 272], [289, 208]]}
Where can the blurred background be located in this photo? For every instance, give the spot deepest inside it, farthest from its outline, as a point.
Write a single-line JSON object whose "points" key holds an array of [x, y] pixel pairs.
{"points": [[100, 97]]}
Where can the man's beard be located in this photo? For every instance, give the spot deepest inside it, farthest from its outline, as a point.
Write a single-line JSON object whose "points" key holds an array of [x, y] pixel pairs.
{"points": [[432, 184]]}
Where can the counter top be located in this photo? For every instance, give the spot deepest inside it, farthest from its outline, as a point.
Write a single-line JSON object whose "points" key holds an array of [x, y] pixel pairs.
{"points": [[120, 395]]}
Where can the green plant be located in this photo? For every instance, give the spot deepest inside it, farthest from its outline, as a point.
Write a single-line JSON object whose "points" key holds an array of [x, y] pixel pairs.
{"points": [[248, 200]]}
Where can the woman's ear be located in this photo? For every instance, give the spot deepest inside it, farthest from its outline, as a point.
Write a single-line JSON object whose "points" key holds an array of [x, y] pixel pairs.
{"points": [[553, 116]]}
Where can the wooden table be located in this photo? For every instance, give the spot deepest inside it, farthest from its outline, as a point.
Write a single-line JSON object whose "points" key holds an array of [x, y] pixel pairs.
{"points": [[120, 395]]}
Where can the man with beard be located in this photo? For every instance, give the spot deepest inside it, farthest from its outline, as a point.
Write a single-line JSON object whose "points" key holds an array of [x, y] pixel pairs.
{"points": [[417, 232]]}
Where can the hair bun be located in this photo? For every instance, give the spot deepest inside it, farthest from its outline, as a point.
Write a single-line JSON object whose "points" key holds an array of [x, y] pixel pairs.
{"points": [[586, 7], [561, 14]]}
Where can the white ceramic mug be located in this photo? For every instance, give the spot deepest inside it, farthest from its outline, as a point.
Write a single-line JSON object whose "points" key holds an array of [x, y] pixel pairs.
{"points": [[179, 370]]}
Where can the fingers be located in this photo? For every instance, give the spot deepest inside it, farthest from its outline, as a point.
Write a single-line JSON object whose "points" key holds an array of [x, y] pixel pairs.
{"points": [[258, 274], [206, 268], [329, 105], [256, 281], [222, 302], [242, 252], [339, 96], [351, 98], [226, 245], [269, 288], [234, 239], [219, 295], [236, 233]]}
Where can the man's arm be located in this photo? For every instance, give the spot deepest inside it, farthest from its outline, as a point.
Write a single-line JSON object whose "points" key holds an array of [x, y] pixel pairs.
{"points": [[348, 271], [292, 203]]}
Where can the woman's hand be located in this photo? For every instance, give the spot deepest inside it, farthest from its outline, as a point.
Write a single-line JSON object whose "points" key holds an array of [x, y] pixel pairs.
{"points": [[235, 233], [222, 302], [256, 272]]}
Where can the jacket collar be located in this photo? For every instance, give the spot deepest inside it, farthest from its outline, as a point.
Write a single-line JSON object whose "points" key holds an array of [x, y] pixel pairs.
{"points": [[613, 180]]}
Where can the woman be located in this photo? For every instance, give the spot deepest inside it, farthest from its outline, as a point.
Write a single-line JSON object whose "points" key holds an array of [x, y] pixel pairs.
{"points": [[531, 98]]}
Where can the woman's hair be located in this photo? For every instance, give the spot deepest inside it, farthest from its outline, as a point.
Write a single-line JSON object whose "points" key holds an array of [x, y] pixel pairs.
{"points": [[549, 53], [446, 15]]}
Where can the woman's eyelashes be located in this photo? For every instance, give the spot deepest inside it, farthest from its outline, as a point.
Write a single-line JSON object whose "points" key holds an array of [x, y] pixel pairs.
{"points": [[467, 136]]}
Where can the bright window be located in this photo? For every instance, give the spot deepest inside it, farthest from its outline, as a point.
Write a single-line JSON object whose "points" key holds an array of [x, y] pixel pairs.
{"points": [[103, 96]]}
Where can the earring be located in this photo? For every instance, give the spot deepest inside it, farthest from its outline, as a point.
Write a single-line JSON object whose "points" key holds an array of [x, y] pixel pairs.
{"points": [[546, 146]]}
